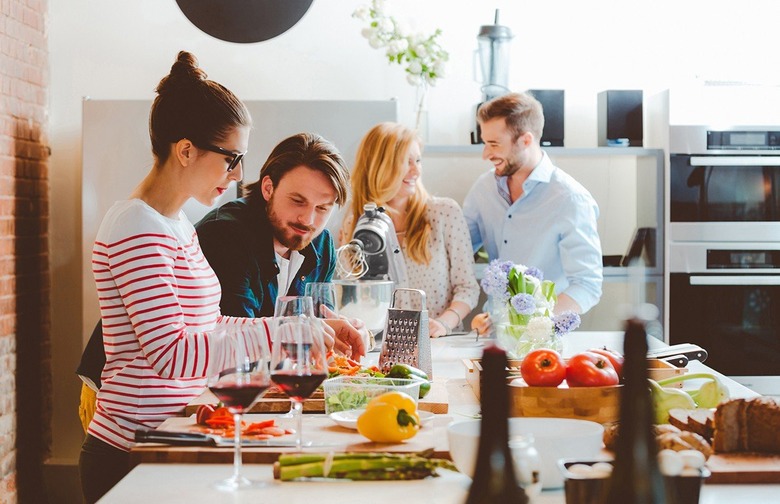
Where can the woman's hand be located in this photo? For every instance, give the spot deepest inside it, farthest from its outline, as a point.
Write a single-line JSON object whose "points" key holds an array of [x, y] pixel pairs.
{"points": [[481, 323], [436, 328]]}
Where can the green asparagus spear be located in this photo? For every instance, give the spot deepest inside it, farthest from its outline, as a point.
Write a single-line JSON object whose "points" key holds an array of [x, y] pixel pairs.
{"points": [[360, 466]]}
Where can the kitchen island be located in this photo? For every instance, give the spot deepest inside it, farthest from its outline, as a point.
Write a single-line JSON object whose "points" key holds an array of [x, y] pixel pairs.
{"points": [[191, 483]]}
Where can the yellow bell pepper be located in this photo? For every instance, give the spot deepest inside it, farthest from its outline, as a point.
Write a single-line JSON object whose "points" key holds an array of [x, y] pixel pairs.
{"points": [[389, 418]]}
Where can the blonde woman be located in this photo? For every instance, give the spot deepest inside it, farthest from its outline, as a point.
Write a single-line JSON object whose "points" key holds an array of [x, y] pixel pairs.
{"points": [[432, 231]]}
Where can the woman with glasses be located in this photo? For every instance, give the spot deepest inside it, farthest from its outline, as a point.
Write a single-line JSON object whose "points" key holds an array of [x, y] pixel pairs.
{"points": [[431, 230], [159, 298]]}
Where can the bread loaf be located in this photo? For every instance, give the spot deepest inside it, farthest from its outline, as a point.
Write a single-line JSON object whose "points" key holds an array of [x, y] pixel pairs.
{"points": [[698, 420], [747, 425]]}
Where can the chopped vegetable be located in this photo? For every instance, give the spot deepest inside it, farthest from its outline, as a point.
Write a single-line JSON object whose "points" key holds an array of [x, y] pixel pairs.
{"points": [[389, 418], [359, 466]]}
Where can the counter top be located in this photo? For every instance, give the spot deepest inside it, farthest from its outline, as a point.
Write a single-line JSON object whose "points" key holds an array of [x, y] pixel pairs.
{"points": [[191, 483]]}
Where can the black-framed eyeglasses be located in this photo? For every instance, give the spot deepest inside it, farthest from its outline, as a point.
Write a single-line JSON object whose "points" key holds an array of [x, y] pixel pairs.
{"points": [[236, 156]]}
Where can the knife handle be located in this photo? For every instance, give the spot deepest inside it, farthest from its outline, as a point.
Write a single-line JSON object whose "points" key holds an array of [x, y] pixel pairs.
{"points": [[173, 438]]}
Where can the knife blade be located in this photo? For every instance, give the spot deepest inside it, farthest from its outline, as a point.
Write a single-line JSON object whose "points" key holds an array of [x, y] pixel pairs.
{"points": [[201, 439]]}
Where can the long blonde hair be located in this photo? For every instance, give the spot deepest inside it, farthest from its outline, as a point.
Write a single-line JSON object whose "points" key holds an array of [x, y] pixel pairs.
{"points": [[380, 165]]}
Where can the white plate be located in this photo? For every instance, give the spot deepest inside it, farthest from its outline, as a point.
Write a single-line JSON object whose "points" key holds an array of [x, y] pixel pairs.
{"points": [[348, 418]]}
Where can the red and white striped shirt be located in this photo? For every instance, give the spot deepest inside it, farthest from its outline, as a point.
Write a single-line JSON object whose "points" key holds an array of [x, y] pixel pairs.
{"points": [[159, 303]]}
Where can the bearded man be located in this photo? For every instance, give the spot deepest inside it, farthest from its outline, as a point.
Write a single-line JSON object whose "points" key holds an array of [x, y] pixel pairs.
{"points": [[529, 211], [273, 241]]}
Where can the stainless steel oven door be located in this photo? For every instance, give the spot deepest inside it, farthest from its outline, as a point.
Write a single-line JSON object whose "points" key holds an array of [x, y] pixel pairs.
{"points": [[736, 318], [709, 194]]}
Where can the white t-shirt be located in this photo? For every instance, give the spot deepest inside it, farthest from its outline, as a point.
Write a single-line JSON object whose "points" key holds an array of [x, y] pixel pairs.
{"points": [[288, 268]]}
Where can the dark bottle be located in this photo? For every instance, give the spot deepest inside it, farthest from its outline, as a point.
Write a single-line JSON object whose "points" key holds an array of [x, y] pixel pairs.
{"points": [[635, 477], [494, 475]]}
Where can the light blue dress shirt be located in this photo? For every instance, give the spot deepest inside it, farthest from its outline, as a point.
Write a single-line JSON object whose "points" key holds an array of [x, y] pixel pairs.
{"points": [[552, 226]]}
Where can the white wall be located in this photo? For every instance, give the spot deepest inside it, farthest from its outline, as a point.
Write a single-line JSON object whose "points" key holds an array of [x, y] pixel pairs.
{"points": [[120, 49]]}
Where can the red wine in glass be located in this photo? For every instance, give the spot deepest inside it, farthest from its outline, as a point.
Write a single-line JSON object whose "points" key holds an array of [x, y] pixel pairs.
{"points": [[238, 398], [297, 386]]}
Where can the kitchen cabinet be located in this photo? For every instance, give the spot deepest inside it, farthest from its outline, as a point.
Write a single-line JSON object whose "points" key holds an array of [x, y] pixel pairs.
{"points": [[627, 183]]}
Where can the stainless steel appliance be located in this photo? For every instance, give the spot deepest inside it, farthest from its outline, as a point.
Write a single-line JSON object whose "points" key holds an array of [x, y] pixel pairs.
{"points": [[494, 42], [724, 250]]}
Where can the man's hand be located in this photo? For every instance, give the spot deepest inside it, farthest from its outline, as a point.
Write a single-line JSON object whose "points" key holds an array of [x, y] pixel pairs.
{"points": [[357, 324], [348, 340]]}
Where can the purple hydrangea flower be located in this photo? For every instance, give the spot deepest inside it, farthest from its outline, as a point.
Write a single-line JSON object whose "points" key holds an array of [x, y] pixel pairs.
{"points": [[495, 282], [524, 304], [566, 322], [535, 272]]}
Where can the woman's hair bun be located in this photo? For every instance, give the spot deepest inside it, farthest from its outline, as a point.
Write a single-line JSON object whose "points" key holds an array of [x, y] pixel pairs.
{"points": [[183, 72]]}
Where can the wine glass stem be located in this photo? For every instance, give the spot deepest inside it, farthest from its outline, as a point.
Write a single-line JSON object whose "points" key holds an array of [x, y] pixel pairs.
{"points": [[237, 447], [298, 405]]}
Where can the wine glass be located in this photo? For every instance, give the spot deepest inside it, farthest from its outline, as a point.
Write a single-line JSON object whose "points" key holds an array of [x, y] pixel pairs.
{"points": [[238, 378], [298, 361], [287, 306], [322, 294]]}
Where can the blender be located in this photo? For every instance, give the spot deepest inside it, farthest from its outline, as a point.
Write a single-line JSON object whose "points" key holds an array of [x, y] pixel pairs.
{"points": [[494, 64]]}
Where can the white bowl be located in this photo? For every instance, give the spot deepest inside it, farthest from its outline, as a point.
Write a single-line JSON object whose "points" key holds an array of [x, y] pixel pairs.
{"points": [[554, 438]]}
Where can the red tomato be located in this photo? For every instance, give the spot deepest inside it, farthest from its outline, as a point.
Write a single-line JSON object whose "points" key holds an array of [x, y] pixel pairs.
{"points": [[543, 368], [615, 358], [589, 369]]}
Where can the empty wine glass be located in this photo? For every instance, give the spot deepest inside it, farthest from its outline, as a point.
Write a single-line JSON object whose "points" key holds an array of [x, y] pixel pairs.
{"points": [[238, 378], [298, 361], [323, 294]]}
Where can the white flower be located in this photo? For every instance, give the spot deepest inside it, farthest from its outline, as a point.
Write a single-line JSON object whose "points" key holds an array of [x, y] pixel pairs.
{"points": [[361, 13], [386, 25], [539, 329], [397, 46], [421, 55], [376, 42]]}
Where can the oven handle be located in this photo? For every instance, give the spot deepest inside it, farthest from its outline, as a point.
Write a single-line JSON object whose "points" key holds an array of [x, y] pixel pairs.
{"points": [[735, 280], [735, 160]]}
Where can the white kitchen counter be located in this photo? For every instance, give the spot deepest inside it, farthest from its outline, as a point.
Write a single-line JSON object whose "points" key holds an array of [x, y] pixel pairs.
{"points": [[191, 483]]}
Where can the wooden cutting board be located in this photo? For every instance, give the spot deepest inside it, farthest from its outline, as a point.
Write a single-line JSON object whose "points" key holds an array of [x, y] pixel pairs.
{"points": [[435, 402], [316, 428], [744, 468]]}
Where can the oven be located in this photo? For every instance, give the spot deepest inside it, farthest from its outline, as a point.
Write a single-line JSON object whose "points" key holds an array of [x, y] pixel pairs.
{"points": [[724, 249]]}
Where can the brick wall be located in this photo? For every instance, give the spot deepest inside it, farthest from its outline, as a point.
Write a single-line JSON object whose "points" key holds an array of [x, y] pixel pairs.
{"points": [[25, 360]]}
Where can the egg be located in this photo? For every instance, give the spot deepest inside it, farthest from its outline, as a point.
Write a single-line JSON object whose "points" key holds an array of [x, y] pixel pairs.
{"points": [[693, 459], [670, 463]]}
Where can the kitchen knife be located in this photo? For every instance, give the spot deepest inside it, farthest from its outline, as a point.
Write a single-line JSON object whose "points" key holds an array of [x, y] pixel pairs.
{"points": [[200, 439], [689, 350]]}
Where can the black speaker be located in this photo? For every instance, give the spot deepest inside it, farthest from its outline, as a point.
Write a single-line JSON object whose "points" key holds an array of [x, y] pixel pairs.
{"points": [[552, 104], [620, 117]]}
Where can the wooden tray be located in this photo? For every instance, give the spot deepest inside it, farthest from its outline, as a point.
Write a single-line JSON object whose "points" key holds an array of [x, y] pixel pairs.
{"points": [[744, 468], [598, 404], [316, 428], [435, 402]]}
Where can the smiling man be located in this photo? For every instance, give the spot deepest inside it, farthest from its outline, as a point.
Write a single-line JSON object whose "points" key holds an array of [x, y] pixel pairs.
{"points": [[273, 241], [529, 211]]}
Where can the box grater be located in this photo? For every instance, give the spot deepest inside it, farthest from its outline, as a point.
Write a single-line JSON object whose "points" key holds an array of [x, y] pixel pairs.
{"points": [[406, 339]]}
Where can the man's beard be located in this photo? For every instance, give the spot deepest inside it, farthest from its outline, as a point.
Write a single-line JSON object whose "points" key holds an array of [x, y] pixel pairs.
{"points": [[509, 169], [287, 238]]}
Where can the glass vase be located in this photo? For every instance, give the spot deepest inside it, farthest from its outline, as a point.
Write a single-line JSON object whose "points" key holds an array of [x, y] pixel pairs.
{"points": [[514, 339]]}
